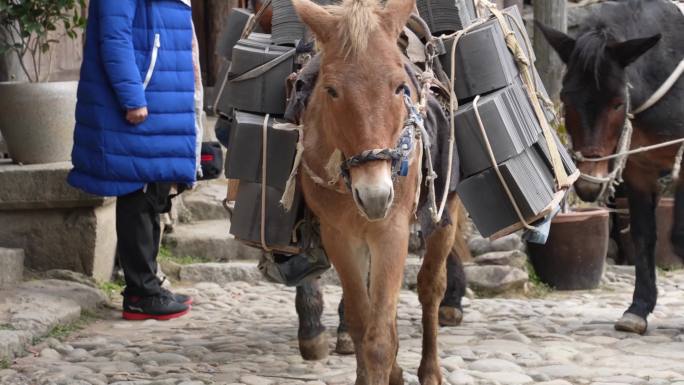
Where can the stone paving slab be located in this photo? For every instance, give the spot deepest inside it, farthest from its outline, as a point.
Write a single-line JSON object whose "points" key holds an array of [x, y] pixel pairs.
{"points": [[241, 333], [32, 309]]}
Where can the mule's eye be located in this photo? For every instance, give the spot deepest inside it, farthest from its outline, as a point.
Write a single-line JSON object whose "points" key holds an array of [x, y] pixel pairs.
{"points": [[400, 89], [332, 92], [618, 106]]}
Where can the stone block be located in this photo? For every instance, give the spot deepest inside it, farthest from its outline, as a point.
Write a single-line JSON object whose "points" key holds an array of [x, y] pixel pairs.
{"points": [[81, 239], [57, 226], [11, 266]]}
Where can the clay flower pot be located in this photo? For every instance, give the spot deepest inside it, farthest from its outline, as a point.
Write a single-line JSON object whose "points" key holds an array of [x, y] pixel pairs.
{"points": [[574, 256], [37, 120]]}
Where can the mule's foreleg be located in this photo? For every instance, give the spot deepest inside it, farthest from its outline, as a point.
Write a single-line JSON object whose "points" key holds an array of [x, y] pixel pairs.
{"points": [[388, 244], [313, 341], [350, 257], [431, 286], [642, 197]]}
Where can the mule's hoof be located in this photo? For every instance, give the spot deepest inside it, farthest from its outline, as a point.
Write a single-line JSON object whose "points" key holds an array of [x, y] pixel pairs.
{"points": [[345, 344], [631, 323], [314, 349], [450, 316]]}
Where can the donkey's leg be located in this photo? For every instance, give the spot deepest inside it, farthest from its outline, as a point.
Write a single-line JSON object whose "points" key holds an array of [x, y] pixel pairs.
{"points": [[677, 236], [350, 257], [642, 202], [313, 340], [388, 243], [344, 345], [431, 285], [451, 310]]}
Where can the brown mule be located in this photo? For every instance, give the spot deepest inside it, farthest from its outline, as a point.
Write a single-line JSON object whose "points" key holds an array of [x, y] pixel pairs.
{"points": [[357, 105]]}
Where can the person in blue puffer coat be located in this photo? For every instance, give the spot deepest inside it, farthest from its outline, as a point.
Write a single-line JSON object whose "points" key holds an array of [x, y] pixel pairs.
{"points": [[137, 131]]}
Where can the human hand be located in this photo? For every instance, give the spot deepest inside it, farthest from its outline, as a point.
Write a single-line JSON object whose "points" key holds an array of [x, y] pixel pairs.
{"points": [[136, 116]]}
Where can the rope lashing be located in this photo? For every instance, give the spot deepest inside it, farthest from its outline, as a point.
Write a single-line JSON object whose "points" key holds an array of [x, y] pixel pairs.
{"points": [[264, 165]]}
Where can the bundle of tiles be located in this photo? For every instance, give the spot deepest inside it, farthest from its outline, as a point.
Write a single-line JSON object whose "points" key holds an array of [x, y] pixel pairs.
{"points": [[286, 27], [446, 16], [504, 122], [252, 86]]}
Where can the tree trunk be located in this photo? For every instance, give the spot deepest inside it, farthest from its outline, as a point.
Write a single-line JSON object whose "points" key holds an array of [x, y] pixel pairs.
{"points": [[552, 13]]}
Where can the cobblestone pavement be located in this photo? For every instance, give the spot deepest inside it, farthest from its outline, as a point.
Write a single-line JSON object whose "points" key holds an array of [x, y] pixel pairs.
{"points": [[246, 334]]}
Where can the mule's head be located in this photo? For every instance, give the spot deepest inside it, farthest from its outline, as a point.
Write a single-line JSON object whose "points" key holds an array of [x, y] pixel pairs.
{"points": [[594, 95], [358, 98]]}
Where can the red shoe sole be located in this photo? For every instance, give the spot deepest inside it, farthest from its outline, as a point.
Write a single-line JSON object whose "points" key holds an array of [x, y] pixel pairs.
{"points": [[189, 302], [141, 316]]}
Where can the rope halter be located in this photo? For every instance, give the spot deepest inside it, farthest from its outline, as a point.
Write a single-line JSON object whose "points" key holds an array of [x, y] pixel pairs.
{"points": [[400, 155]]}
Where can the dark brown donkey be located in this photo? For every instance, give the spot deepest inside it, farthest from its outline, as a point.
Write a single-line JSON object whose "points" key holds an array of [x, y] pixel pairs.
{"points": [[358, 105], [622, 55]]}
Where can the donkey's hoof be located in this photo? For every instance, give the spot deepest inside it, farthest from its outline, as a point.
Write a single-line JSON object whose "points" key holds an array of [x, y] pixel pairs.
{"points": [[450, 316], [345, 344], [314, 349], [631, 323]]}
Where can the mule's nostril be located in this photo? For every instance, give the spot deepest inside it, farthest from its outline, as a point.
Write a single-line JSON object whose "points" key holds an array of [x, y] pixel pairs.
{"points": [[357, 194]]}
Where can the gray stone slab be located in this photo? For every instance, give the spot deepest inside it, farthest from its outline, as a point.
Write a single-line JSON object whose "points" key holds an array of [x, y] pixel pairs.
{"points": [[209, 240], [11, 266], [205, 201], [40, 186]]}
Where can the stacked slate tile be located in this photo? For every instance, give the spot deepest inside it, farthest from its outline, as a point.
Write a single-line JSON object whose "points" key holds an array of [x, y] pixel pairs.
{"points": [[485, 67], [446, 16], [252, 85]]}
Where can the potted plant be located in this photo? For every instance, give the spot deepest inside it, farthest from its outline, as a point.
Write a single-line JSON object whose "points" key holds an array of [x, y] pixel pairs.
{"points": [[37, 119], [574, 255]]}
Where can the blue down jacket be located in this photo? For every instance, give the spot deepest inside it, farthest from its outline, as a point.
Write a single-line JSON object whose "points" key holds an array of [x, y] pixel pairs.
{"points": [[137, 53]]}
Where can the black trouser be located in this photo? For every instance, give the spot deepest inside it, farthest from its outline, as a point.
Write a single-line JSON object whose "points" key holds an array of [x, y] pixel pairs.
{"points": [[138, 231]]}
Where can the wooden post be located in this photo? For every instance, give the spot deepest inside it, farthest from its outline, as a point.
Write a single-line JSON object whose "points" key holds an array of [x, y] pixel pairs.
{"points": [[552, 13]]}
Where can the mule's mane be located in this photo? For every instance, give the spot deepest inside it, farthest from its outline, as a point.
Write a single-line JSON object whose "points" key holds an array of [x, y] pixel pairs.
{"points": [[357, 20]]}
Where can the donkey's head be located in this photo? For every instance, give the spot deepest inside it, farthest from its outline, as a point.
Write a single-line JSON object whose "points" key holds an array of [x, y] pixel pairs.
{"points": [[594, 94], [358, 99]]}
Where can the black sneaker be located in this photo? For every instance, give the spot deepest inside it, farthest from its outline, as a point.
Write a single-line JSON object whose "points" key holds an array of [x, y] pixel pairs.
{"points": [[180, 298], [159, 307]]}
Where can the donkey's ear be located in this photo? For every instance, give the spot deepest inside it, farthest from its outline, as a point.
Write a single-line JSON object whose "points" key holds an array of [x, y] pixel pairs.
{"points": [[317, 18], [397, 13], [627, 52], [561, 43]]}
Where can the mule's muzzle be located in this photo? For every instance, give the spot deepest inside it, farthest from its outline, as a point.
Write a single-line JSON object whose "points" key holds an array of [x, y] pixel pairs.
{"points": [[592, 182], [374, 201], [588, 191]]}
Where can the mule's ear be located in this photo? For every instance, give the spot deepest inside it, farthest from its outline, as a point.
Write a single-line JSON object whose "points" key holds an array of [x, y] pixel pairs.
{"points": [[627, 52], [317, 18], [561, 43], [397, 13]]}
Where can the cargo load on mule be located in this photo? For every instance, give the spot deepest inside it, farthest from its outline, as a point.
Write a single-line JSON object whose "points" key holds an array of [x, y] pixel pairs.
{"points": [[483, 124]]}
